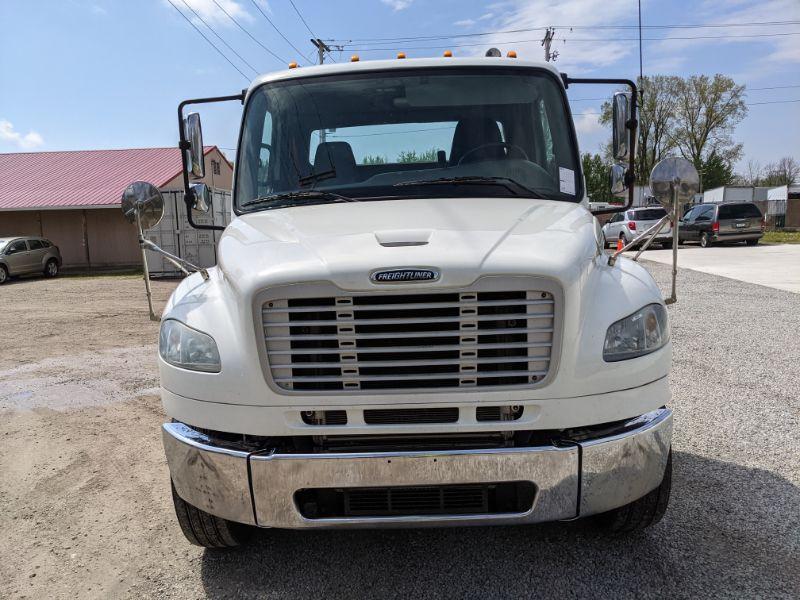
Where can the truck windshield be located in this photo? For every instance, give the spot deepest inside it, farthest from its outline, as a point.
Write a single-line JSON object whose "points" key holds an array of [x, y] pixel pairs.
{"points": [[407, 134]]}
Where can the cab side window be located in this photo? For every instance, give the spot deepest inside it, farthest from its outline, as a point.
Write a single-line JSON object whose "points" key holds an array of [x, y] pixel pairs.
{"points": [[35, 244], [16, 247]]}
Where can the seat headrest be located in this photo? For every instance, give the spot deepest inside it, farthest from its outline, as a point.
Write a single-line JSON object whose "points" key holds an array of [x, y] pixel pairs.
{"points": [[334, 155], [471, 133]]}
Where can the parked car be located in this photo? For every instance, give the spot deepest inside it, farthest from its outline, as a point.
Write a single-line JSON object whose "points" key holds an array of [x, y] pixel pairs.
{"points": [[25, 255], [720, 223], [627, 225]]}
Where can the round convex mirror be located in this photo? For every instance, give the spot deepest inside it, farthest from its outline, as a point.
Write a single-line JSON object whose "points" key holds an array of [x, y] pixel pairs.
{"points": [[144, 198], [674, 173]]}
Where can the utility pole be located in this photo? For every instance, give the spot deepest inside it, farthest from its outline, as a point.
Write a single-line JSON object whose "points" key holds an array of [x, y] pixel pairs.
{"points": [[548, 39], [322, 48]]}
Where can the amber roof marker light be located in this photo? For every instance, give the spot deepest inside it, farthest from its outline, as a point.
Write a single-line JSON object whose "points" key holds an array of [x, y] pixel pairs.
{"points": [[447, 54], [354, 58], [401, 55], [292, 65], [512, 54]]}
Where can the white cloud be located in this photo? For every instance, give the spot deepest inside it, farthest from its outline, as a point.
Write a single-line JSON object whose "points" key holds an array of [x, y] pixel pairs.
{"points": [[29, 141], [574, 58], [485, 16], [398, 4], [588, 122], [465, 23], [774, 53], [212, 14]]}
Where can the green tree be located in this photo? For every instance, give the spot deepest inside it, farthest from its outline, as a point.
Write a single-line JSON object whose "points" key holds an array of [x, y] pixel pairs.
{"points": [[715, 171], [411, 156], [376, 159], [706, 113], [595, 170]]}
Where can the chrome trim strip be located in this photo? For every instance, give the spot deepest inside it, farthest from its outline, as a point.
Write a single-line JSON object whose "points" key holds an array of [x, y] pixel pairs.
{"points": [[409, 321], [409, 306]]}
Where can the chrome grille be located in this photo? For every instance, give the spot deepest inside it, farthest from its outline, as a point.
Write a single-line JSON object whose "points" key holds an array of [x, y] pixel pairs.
{"points": [[377, 342]]}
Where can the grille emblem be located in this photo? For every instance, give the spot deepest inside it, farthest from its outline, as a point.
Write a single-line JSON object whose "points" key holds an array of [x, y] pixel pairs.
{"points": [[404, 275]]}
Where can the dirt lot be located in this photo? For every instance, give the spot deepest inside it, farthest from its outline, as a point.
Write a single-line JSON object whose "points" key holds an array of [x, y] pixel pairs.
{"points": [[84, 487]]}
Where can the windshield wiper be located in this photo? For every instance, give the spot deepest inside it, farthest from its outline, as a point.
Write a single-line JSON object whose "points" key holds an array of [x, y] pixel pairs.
{"points": [[285, 199], [506, 182], [330, 173]]}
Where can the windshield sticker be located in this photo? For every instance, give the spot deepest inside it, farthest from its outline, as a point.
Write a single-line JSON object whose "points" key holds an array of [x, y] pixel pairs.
{"points": [[566, 180]]}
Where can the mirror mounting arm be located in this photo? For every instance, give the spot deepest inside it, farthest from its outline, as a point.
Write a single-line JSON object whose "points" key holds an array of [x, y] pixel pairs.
{"points": [[183, 145], [632, 125]]}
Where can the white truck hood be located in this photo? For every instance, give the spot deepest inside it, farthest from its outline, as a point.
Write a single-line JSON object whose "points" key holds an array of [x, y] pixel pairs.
{"points": [[463, 238]]}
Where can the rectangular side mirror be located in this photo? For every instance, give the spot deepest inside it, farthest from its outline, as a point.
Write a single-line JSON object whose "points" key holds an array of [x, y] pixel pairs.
{"points": [[616, 179], [194, 135], [621, 111]]}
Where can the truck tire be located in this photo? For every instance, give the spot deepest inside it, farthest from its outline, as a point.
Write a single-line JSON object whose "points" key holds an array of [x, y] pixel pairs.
{"points": [[206, 530], [705, 240], [752, 242], [639, 514], [666, 244], [3, 274]]}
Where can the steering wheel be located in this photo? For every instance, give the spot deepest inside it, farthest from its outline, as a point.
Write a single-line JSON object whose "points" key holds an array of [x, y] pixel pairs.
{"points": [[505, 145]]}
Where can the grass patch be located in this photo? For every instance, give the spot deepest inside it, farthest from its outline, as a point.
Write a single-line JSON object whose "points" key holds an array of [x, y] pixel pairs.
{"points": [[781, 237]]}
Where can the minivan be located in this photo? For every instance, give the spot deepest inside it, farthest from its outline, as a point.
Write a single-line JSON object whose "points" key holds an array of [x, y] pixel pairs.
{"points": [[721, 223]]}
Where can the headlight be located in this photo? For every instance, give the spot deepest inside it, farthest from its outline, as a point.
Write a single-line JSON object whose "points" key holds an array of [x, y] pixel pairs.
{"points": [[643, 332], [188, 348]]}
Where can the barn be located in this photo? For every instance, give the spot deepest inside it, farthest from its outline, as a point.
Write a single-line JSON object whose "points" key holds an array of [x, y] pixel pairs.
{"points": [[73, 198]]}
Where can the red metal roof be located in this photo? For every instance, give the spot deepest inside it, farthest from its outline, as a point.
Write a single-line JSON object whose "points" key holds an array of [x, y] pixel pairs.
{"points": [[31, 180]]}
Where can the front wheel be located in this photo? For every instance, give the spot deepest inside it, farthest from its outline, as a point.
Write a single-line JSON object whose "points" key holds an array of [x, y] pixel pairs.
{"points": [[51, 268], [3, 274], [206, 530], [639, 514], [751, 242], [705, 240], [666, 244]]}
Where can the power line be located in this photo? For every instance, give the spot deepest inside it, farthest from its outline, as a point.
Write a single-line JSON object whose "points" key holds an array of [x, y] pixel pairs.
{"points": [[772, 102], [197, 29], [250, 35], [773, 87], [220, 37], [280, 33], [747, 89], [544, 28], [578, 40], [314, 35]]}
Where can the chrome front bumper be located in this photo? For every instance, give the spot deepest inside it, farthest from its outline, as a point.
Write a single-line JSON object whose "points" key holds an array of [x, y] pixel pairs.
{"points": [[573, 480]]}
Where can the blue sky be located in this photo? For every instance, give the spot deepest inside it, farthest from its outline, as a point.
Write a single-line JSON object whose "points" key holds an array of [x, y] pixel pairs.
{"points": [[79, 74]]}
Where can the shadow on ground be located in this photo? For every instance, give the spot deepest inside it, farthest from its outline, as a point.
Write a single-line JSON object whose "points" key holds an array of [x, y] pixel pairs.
{"points": [[730, 531]]}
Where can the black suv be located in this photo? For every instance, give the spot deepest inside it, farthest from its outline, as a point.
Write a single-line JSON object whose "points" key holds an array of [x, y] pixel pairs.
{"points": [[719, 223]]}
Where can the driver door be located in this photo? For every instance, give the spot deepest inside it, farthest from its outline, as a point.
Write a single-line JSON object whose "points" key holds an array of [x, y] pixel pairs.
{"points": [[18, 257]]}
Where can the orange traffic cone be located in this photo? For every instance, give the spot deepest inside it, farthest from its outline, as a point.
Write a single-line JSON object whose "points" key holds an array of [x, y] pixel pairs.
{"points": [[620, 245]]}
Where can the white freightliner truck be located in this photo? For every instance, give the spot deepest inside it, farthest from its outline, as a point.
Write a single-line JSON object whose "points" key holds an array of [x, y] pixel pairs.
{"points": [[413, 321]]}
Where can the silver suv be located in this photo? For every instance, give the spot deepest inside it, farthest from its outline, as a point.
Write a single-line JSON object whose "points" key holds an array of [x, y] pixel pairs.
{"points": [[24, 255], [627, 225]]}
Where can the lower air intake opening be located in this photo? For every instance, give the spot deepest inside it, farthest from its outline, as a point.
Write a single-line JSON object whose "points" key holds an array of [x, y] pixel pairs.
{"points": [[463, 499]]}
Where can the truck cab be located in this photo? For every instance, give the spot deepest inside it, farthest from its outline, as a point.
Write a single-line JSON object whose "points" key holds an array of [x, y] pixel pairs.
{"points": [[413, 320]]}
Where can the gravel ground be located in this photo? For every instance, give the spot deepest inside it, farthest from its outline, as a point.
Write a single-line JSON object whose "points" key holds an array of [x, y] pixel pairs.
{"points": [[85, 496]]}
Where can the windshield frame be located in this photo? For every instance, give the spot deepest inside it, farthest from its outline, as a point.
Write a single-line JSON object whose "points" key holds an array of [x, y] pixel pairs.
{"points": [[438, 70]]}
